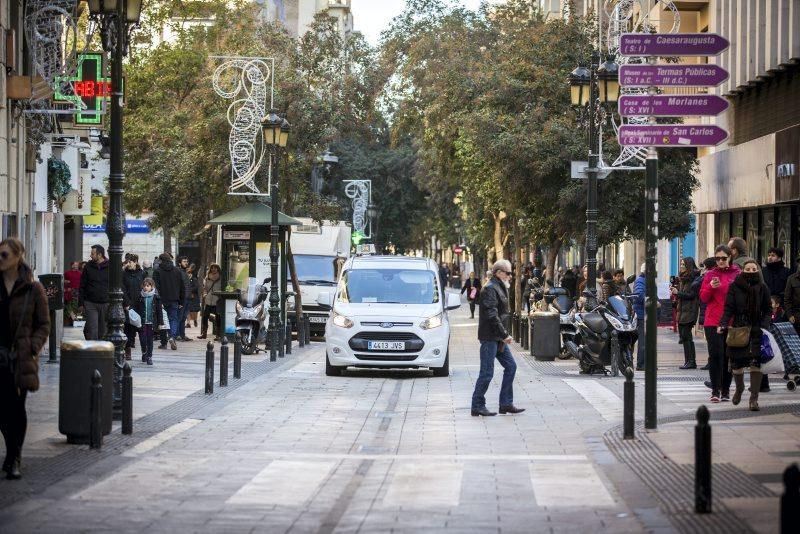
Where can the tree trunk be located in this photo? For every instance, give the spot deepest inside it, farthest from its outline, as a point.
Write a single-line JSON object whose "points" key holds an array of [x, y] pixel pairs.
{"points": [[518, 271], [499, 242], [298, 298], [552, 256], [167, 239]]}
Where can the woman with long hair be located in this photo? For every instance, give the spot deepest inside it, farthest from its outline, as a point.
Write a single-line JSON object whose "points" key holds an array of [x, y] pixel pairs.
{"points": [[211, 284], [747, 305], [688, 308], [24, 327]]}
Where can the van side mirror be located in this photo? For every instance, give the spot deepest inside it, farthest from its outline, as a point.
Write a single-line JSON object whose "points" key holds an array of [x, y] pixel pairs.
{"points": [[325, 300], [453, 301]]}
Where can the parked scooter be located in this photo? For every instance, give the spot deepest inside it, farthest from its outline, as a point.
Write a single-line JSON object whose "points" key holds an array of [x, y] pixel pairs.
{"points": [[605, 336], [559, 301], [251, 316]]}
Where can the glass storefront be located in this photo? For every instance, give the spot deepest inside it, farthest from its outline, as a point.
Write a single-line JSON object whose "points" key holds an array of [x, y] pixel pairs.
{"points": [[775, 226]]}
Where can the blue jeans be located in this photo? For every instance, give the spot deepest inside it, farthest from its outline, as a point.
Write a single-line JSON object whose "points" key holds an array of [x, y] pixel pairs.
{"points": [[183, 314], [488, 354], [173, 314]]}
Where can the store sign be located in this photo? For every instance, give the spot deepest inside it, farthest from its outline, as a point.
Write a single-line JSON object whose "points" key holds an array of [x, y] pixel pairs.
{"points": [[671, 135], [671, 105], [132, 226], [787, 165], [78, 201], [236, 234], [672, 75], [87, 90], [672, 44]]}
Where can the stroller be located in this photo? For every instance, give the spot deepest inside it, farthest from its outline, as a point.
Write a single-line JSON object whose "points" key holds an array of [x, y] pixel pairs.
{"points": [[789, 343]]}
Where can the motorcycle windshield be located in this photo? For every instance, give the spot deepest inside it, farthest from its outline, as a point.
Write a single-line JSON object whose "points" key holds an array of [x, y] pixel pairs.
{"points": [[619, 306], [250, 294]]}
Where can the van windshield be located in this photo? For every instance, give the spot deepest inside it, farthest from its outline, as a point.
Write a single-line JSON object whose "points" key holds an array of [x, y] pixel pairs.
{"points": [[389, 286], [315, 270]]}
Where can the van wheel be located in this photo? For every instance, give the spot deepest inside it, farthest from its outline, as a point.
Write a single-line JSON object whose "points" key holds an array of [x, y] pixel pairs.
{"points": [[444, 370], [332, 370]]}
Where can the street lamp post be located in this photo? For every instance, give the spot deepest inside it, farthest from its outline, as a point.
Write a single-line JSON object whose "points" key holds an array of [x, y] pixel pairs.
{"points": [[276, 134], [116, 17], [372, 213], [592, 90]]}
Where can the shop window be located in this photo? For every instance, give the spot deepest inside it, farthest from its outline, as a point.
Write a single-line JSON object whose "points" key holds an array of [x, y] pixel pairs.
{"points": [[766, 237], [724, 229], [737, 226], [752, 234], [784, 233]]}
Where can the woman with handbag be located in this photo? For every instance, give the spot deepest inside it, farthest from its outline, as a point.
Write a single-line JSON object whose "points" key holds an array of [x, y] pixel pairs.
{"points": [[747, 307], [713, 292], [24, 327], [473, 289]]}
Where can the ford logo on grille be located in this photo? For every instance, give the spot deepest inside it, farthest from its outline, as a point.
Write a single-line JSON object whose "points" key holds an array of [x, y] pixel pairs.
{"points": [[387, 325]]}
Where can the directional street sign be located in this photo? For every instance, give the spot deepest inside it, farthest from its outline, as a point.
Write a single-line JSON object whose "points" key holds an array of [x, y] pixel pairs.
{"points": [[671, 135], [671, 105], [671, 75], [672, 44]]}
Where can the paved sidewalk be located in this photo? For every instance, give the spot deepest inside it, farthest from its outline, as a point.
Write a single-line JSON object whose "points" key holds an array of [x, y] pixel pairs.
{"points": [[288, 449]]}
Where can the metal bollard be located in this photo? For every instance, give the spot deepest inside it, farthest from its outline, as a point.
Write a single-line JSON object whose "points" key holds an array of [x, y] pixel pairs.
{"points": [[790, 500], [524, 330], [515, 326], [209, 368], [288, 337], [237, 355], [127, 400], [301, 338], [223, 362], [702, 462], [281, 342], [307, 330], [95, 408], [629, 404]]}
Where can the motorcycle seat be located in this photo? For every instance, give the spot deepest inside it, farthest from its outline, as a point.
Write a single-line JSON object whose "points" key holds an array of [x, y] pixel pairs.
{"points": [[595, 321]]}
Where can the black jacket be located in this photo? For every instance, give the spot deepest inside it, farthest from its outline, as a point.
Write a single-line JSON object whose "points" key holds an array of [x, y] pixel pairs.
{"points": [[169, 283], [570, 282], [94, 283], [775, 276], [158, 317], [468, 285], [688, 298], [791, 297], [494, 312], [132, 286], [736, 308]]}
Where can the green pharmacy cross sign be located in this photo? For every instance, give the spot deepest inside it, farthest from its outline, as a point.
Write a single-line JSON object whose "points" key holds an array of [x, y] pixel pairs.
{"points": [[86, 90]]}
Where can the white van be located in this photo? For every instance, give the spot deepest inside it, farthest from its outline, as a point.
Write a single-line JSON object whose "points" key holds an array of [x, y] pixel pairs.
{"points": [[319, 253], [389, 311]]}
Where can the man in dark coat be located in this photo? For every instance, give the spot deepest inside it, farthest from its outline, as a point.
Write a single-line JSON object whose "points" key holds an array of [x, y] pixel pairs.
{"points": [[776, 274], [791, 299], [132, 278], [93, 294], [494, 338], [183, 264], [169, 284]]}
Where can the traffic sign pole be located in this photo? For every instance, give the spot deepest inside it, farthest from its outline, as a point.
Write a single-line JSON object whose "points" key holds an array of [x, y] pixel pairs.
{"points": [[651, 295]]}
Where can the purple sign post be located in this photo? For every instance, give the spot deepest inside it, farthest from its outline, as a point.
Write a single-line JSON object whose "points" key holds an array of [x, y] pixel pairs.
{"points": [[671, 135], [671, 105], [671, 75], [672, 44]]}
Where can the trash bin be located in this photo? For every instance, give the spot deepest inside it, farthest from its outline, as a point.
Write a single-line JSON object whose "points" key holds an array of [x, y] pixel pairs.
{"points": [[545, 335], [79, 359]]}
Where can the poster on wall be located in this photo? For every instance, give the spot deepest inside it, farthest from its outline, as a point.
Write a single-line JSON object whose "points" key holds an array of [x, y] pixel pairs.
{"points": [[94, 221], [262, 262], [238, 253], [79, 199]]}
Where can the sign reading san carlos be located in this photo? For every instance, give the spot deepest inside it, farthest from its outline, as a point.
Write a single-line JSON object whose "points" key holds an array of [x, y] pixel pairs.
{"points": [[671, 105], [672, 44], [671, 75], [685, 135]]}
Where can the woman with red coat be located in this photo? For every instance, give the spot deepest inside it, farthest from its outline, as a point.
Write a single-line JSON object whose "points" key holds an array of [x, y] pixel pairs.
{"points": [[24, 327], [713, 291]]}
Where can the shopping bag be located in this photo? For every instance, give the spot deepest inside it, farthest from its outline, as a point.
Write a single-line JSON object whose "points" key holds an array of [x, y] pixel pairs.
{"points": [[775, 364], [164, 320], [134, 318], [473, 293]]}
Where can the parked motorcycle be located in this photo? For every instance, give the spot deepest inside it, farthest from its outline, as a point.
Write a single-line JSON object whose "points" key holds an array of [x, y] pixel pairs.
{"points": [[559, 301], [251, 316], [605, 336]]}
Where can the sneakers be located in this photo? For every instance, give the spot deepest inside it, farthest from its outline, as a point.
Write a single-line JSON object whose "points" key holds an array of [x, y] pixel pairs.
{"points": [[172, 344], [726, 397], [714, 399], [149, 361]]}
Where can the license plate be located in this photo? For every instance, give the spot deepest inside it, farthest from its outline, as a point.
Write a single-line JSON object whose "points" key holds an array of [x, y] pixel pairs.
{"points": [[317, 319], [386, 345]]}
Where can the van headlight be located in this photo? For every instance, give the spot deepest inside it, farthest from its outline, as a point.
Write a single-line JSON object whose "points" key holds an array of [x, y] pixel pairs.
{"points": [[341, 321], [432, 322]]}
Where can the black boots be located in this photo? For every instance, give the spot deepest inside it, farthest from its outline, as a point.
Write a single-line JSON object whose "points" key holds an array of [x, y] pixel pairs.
{"points": [[482, 411], [738, 379], [11, 467], [689, 364], [511, 409]]}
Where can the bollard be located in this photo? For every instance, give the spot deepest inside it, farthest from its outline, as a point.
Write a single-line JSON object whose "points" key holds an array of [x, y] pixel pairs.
{"points": [[209, 368], [223, 362], [288, 337], [95, 408], [301, 338], [515, 326], [702, 462], [52, 338], [790, 500], [237, 355], [524, 330], [307, 330], [127, 400], [629, 404], [281, 342]]}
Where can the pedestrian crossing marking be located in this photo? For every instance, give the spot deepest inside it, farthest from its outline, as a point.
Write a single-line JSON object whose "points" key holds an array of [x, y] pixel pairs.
{"points": [[573, 484], [283, 483], [598, 396], [425, 485], [160, 438]]}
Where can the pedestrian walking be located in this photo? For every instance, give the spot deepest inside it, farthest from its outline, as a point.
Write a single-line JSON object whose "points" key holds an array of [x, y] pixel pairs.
{"points": [[778, 316], [211, 284], [791, 298], [72, 282], [147, 267], [24, 327], [688, 308], [746, 311], [183, 268], [172, 290], [132, 277], [193, 299], [608, 288], [472, 287], [775, 272], [713, 292], [640, 294], [148, 306], [493, 321], [708, 264], [94, 294]]}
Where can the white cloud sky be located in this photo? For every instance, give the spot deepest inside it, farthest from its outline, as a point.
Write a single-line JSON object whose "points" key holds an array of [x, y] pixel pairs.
{"points": [[371, 17]]}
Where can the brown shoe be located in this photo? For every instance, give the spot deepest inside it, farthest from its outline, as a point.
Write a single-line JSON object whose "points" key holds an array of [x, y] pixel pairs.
{"points": [[127, 353]]}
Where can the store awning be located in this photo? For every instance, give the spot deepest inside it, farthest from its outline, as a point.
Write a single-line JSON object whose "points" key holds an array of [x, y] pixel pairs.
{"points": [[253, 214]]}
